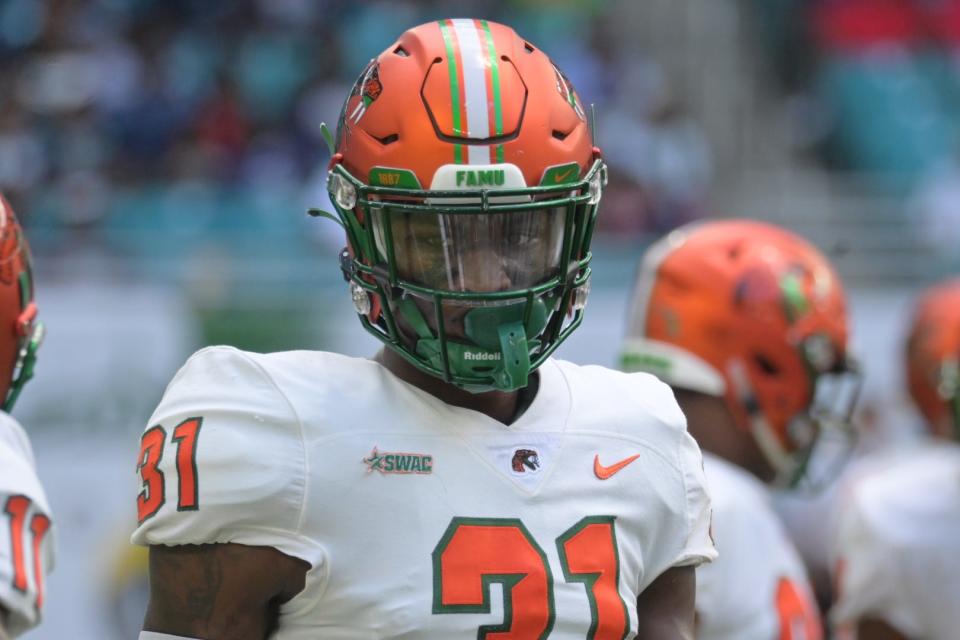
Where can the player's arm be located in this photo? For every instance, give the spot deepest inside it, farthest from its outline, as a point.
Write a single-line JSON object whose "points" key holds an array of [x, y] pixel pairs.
{"points": [[875, 629], [220, 591], [3, 624], [665, 609], [220, 502]]}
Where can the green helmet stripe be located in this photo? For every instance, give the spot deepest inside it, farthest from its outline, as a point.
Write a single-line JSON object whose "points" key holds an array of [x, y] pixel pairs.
{"points": [[454, 87], [495, 83]]}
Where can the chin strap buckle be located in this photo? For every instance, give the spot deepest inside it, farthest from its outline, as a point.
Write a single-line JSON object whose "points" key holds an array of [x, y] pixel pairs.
{"points": [[516, 355], [347, 268]]}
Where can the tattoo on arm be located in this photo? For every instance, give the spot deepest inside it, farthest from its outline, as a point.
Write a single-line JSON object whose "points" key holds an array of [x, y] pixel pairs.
{"points": [[203, 575], [220, 590]]}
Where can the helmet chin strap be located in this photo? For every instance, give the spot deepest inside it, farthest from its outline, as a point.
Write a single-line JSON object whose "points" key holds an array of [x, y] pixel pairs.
{"points": [[498, 343]]}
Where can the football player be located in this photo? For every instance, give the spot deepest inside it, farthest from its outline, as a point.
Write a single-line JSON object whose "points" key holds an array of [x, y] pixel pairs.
{"points": [[26, 539], [897, 552], [462, 483], [747, 323]]}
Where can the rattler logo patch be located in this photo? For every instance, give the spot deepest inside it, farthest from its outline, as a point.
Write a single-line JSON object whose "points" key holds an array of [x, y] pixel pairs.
{"points": [[525, 461]]}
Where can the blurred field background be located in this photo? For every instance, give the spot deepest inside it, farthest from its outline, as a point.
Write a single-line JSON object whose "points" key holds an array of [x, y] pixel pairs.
{"points": [[162, 153]]}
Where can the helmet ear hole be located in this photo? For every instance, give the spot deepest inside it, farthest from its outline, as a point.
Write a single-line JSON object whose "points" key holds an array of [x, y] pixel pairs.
{"points": [[767, 366]]}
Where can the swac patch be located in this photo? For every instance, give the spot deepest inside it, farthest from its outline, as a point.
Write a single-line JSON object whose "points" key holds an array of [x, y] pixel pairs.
{"points": [[396, 462], [525, 460]]}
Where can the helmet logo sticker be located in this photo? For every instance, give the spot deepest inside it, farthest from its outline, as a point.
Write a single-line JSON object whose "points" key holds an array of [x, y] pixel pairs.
{"points": [[796, 301], [525, 461], [565, 88], [9, 246], [368, 87], [398, 463]]}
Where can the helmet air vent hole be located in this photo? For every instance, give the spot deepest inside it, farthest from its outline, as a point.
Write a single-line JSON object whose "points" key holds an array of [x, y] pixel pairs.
{"points": [[528, 47], [390, 139], [768, 367], [400, 51], [560, 135]]}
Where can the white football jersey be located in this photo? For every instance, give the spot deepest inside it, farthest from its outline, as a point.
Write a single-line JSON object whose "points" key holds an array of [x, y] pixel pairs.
{"points": [[897, 552], [424, 520], [757, 589], [26, 536]]}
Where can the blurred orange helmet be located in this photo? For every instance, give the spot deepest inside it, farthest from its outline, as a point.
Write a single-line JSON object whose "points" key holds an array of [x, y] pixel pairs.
{"points": [[465, 175], [748, 312], [20, 333], [932, 352]]}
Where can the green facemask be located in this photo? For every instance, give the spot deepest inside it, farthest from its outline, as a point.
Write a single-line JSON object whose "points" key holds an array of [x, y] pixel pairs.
{"points": [[23, 370], [476, 286]]}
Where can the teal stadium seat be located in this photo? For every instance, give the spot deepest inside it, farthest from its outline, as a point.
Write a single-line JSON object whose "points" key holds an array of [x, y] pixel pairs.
{"points": [[890, 117]]}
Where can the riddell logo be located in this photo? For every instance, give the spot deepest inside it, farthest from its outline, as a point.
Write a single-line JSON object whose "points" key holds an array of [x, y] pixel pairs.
{"points": [[480, 355]]}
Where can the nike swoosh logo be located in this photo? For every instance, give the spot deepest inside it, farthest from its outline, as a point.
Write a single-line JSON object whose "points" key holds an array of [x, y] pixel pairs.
{"points": [[605, 472], [560, 177]]}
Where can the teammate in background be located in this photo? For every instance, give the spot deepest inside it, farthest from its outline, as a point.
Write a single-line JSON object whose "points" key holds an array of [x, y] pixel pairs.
{"points": [[747, 323], [26, 539], [897, 554], [462, 483]]}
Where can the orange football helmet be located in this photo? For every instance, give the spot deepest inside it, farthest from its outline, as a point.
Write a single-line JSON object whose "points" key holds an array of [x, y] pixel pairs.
{"points": [[20, 333], [932, 352], [748, 312], [465, 175]]}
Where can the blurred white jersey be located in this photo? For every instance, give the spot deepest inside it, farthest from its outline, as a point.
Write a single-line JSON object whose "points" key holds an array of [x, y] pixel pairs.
{"points": [[26, 539], [424, 520], [757, 589], [897, 551]]}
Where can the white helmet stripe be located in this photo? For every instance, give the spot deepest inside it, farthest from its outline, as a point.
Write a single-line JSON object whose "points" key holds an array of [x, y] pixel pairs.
{"points": [[475, 66]]}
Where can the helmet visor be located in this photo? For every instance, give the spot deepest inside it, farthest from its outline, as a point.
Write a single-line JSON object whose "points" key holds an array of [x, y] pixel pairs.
{"points": [[472, 252], [824, 437]]}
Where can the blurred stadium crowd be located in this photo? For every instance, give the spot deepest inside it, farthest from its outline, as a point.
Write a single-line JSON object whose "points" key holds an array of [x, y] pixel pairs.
{"points": [[885, 75], [134, 125], [879, 88], [144, 127]]}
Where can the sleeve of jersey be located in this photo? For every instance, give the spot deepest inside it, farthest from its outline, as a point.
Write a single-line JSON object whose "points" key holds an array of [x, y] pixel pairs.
{"points": [[866, 574], [699, 546], [736, 595], [26, 536], [222, 460], [690, 541]]}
